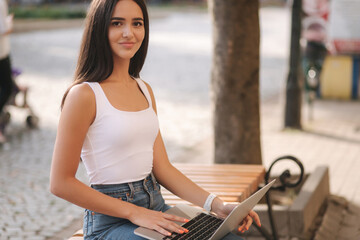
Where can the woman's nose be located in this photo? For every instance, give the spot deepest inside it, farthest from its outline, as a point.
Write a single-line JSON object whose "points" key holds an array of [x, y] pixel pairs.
{"points": [[127, 31]]}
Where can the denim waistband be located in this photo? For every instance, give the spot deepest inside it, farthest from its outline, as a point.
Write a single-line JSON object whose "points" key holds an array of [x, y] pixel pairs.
{"points": [[148, 182]]}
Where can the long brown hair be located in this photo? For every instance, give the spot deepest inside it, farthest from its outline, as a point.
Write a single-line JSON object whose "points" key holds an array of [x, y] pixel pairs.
{"points": [[95, 62]]}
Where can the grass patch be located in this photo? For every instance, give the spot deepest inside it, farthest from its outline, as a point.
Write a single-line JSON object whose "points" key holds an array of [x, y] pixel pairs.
{"points": [[47, 12]]}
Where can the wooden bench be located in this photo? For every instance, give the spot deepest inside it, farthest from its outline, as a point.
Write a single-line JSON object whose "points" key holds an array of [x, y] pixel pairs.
{"points": [[231, 182]]}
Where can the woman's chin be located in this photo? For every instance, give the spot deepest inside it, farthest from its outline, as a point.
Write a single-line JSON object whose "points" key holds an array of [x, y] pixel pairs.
{"points": [[123, 57]]}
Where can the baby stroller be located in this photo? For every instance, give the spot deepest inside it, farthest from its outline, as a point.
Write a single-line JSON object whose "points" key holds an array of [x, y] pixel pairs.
{"points": [[18, 99]]}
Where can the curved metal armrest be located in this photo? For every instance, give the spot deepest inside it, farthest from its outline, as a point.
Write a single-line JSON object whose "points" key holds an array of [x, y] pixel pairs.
{"points": [[286, 175], [284, 183]]}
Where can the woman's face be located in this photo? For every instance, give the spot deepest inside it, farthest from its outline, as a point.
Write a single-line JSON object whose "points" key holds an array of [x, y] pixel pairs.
{"points": [[126, 30]]}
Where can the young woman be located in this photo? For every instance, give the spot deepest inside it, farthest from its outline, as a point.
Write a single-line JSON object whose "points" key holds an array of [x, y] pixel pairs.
{"points": [[109, 120]]}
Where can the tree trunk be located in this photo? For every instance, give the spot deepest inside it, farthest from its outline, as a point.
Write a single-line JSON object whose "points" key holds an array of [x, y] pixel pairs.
{"points": [[235, 81]]}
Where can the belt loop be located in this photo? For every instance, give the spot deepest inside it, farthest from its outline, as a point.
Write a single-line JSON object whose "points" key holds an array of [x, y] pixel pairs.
{"points": [[132, 190], [153, 179]]}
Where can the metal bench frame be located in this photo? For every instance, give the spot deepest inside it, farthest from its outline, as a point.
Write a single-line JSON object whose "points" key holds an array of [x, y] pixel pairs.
{"points": [[284, 183]]}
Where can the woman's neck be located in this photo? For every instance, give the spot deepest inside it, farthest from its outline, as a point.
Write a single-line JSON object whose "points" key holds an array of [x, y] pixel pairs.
{"points": [[120, 71]]}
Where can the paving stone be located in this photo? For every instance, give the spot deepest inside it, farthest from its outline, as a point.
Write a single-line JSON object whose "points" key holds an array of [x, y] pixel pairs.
{"points": [[333, 216], [355, 209], [323, 234], [29, 233], [351, 220], [48, 233], [13, 230], [345, 228], [348, 232], [339, 200], [36, 238], [331, 224], [15, 238], [54, 228], [12, 223], [4, 236], [31, 227]]}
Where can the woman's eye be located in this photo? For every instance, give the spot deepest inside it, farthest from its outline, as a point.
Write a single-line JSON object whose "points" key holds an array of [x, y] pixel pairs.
{"points": [[138, 24], [116, 24]]}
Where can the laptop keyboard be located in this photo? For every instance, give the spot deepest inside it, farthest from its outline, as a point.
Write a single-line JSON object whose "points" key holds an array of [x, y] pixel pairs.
{"points": [[201, 227]]}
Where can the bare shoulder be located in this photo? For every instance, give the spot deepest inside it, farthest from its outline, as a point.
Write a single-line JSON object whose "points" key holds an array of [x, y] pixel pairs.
{"points": [[81, 94], [80, 104], [82, 90]]}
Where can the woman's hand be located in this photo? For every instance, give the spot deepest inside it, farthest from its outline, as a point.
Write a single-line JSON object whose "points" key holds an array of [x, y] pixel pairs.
{"points": [[223, 210], [158, 221], [248, 220]]}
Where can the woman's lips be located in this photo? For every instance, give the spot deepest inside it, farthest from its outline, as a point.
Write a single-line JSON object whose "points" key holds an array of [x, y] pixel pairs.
{"points": [[127, 44]]}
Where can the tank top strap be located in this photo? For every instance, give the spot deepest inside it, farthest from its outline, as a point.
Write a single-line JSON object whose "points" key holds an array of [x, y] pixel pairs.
{"points": [[144, 89], [95, 86], [99, 97]]}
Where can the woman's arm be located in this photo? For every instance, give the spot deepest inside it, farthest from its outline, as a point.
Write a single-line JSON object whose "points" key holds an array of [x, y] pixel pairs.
{"points": [[177, 183], [6, 24], [172, 179], [77, 115]]}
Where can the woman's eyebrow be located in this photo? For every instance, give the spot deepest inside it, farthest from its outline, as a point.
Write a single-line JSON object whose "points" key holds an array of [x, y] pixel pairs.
{"points": [[123, 19]]}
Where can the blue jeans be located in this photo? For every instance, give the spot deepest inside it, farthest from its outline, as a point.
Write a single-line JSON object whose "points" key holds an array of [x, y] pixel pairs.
{"points": [[144, 193]]}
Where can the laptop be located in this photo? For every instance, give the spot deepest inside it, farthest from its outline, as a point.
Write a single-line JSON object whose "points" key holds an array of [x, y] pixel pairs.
{"points": [[203, 225]]}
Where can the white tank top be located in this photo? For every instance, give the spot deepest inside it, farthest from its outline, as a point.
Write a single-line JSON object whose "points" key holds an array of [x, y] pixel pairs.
{"points": [[118, 146]]}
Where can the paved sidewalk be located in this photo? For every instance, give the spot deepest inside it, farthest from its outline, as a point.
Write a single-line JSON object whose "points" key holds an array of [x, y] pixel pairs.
{"points": [[332, 138]]}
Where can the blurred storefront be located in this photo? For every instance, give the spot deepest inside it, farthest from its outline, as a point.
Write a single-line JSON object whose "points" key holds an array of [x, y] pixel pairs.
{"points": [[341, 78], [338, 26]]}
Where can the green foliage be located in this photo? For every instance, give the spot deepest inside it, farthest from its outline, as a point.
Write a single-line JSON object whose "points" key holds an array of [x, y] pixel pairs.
{"points": [[48, 12]]}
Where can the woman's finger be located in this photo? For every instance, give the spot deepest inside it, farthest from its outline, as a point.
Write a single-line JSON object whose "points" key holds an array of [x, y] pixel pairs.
{"points": [[242, 226], [249, 221], [168, 223], [172, 227], [246, 224], [161, 230], [175, 218], [255, 217]]}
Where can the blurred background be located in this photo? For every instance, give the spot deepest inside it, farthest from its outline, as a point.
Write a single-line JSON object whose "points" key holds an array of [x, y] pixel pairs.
{"points": [[44, 49]]}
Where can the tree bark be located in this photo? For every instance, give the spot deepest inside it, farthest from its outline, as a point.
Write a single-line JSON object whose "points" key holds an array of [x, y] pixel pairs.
{"points": [[235, 81]]}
